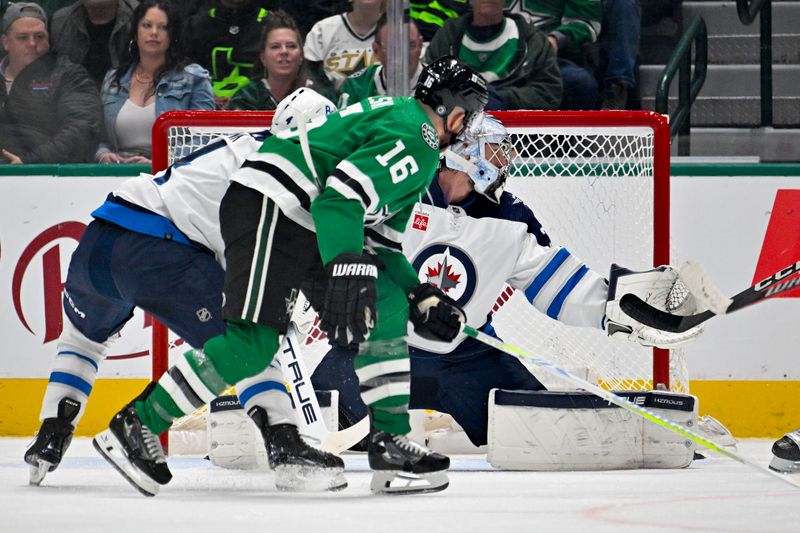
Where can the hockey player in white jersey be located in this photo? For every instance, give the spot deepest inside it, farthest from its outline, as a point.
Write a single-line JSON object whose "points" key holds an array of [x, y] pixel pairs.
{"points": [[467, 208], [156, 244]]}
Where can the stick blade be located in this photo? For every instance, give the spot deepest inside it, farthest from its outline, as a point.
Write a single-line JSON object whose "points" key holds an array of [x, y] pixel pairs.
{"points": [[706, 293]]}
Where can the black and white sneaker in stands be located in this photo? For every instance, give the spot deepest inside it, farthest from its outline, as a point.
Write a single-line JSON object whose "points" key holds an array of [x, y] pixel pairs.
{"points": [[134, 451], [786, 453], [52, 440], [401, 466], [298, 467]]}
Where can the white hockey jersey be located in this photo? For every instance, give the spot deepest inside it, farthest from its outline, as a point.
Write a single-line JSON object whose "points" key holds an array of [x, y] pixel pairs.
{"points": [[473, 252], [182, 202], [340, 49]]}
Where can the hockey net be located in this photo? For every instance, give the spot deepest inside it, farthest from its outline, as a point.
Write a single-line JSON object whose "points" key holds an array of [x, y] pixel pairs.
{"points": [[598, 182]]}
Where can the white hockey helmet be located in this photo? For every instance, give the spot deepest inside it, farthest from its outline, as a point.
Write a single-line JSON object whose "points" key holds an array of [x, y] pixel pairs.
{"points": [[488, 141], [303, 102]]}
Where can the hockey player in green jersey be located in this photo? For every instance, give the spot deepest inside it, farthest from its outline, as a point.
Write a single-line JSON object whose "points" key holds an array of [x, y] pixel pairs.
{"points": [[322, 208]]}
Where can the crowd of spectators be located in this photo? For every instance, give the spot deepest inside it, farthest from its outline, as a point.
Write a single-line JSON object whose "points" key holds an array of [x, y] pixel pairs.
{"points": [[84, 80]]}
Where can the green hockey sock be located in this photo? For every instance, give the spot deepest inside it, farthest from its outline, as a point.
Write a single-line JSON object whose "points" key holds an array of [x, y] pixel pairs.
{"points": [[382, 368]]}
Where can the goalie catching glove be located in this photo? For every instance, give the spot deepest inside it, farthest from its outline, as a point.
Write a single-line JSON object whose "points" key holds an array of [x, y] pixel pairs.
{"points": [[662, 288], [350, 300], [435, 316]]}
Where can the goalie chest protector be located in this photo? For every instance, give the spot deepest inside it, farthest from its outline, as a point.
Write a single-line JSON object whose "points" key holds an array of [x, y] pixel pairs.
{"points": [[575, 430]]}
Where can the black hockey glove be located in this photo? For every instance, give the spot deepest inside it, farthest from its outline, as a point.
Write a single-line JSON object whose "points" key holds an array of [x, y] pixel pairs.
{"points": [[350, 300], [435, 316]]}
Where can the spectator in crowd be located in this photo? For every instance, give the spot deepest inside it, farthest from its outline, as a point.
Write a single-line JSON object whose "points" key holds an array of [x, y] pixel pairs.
{"points": [[372, 80], [49, 107], [511, 53], [570, 25], [284, 66], [622, 24], [224, 38], [431, 15], [308, 12], [92, 33], [153, 76], [340, 45]]}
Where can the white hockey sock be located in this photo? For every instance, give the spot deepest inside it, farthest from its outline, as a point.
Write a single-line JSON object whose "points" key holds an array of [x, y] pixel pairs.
{"points": [[267, 390], [74, 371]]}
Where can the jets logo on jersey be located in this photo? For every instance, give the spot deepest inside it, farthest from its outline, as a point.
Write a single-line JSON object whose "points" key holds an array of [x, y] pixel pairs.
{"points": [[448, 268], [430, 135]]}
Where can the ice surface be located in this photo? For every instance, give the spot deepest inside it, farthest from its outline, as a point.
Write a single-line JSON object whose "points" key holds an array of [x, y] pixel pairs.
{"points": [[86, 495]]}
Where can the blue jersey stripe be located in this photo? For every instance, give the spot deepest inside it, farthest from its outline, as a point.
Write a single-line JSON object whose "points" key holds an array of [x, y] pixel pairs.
{"points": [[258, 388], [82, 357], [558, 302], [72, 381], [544, 276]]}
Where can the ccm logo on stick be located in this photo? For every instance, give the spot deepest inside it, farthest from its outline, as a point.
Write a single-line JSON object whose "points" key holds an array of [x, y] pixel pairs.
{"points": [[788, 271]]}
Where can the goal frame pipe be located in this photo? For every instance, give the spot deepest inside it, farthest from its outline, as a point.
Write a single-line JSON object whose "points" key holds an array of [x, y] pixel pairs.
{"points": [[661, 187]]}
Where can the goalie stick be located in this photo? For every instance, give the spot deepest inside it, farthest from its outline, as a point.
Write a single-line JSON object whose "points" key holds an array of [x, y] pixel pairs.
{"points": [[610, 397], [698, 283]]}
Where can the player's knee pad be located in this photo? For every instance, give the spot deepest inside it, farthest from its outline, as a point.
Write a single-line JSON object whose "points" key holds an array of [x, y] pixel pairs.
{"points": [[244, 350], [544, 430], [74, 371]]}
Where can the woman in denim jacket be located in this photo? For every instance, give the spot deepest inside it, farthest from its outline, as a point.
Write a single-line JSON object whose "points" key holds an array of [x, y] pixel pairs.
{"points": [[154, 76]]}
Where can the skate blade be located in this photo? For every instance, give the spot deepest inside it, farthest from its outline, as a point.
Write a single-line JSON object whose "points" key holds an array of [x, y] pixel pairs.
{"points": [[784, 466], [37, 472], [298, 478], [396, 482], [111, 449]]}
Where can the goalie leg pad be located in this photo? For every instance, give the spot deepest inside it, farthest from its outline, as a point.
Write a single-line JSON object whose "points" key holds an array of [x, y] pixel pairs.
{"points": [[577, 431], [233, 440]]}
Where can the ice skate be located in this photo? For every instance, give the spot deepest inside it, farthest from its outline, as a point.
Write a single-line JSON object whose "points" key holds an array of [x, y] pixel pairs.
{"points": [[52, 440], [786, 453], [298, 467], [402, 466], [134, 451]]}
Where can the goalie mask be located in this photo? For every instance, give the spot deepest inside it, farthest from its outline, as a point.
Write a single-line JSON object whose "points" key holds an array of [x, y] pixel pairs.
{"points": [[303, 102], [484, 156]]}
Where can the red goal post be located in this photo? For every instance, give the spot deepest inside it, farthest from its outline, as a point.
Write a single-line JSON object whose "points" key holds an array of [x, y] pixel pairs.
{"points": [[604, 172]]}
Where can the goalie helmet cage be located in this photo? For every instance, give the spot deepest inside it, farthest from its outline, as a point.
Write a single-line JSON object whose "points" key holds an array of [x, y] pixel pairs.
{"points": [[599, 183]]}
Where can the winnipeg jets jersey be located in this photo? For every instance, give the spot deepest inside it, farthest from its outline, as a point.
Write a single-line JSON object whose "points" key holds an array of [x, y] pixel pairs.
{"points": [[471, 252], [181, 203]]}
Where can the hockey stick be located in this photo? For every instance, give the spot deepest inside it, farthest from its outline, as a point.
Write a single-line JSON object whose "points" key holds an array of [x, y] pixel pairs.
{"points": [[698, 283], [309, 413], [610, 397]]}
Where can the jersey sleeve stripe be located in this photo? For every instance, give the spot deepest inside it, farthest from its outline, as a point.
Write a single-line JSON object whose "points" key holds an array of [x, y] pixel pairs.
{"points": [[544, 276], [373, 238], [558, 302], [349, 188], [283, 179], [368, 187]]}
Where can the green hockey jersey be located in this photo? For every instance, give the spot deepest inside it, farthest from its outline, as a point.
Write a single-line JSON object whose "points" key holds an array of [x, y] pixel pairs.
{"points": [[367, 165]]}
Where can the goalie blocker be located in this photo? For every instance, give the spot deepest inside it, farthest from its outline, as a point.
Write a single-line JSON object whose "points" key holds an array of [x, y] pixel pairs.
{"points": [[576, 430]]}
